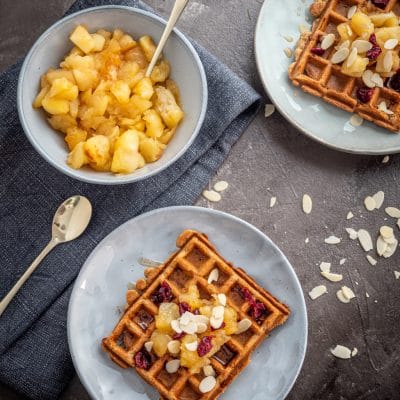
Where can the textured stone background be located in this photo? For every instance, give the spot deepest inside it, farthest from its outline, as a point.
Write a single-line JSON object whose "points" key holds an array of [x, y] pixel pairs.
{"points": [[274, 159]]}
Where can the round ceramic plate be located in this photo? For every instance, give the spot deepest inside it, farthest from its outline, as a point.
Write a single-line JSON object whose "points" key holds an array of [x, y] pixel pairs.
{"points": [[99, 293], [311, 115]]}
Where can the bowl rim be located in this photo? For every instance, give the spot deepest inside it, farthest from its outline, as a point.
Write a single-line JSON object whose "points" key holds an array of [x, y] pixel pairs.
{"points": [[112, 179]]}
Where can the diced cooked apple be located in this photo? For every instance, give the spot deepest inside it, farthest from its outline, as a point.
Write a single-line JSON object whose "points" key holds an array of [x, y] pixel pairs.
{"points": [[167, 136], [74, 136], [98, 42], [54, 74], [386, 33], [39, 98], [148, 47], [63, 89], [97, 149], [126, 42], [345, 32], [166, 105], [161, 72], [126, 157], [362, 24], [384, 19], [62, 122], [154, 124], [144, 88], [137, 55], [99, 103], [128, 72], [55, 106], [121, 91], [150, 149], [77, 158], [83, 39], [85, 79], [357, 68]]}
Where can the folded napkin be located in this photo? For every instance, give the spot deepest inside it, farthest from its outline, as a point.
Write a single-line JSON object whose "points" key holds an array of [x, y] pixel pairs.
{"points": [[34, 357]]}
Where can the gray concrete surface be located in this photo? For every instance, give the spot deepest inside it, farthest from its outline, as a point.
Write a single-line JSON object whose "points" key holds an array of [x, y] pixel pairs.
{"points": [[274, 159]]}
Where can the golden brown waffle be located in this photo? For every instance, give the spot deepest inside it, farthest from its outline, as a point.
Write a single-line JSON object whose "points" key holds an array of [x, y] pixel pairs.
{"points": [[192, 264], [318, 76]]}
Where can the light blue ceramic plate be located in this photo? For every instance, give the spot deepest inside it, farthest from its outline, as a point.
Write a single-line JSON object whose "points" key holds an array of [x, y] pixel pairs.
{"points": [[100, 288], [317, 119]]}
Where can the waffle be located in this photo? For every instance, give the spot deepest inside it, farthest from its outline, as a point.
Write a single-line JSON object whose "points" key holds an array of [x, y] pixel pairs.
{"points": [[318, 76], [192, 263]]}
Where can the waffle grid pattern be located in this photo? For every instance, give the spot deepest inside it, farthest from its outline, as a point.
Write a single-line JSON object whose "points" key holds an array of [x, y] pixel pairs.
{"points": [[318, 76], [192, 265]]}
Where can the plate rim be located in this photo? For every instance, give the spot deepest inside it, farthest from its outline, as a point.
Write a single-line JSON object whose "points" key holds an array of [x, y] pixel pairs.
{"points": [[265, 82], [217, 213]]}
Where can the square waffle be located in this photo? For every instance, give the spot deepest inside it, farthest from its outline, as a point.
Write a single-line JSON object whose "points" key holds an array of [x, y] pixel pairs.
{"points": [[318, 76], [192, 263]]}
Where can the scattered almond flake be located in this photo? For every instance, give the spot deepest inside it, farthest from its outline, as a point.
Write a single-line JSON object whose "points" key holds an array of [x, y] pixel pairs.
{"points": [[216, 323], [212, 196], [146, 262], [288, 38], [342, 261], [269, 110], [369, 203], [243, 326], [341, 297], [375, 301], [390, 44], [303, 28], [340, 55], [354, 352], [131, 286], [382, 106], [352, 57], [391, 249], [348, 293], [332, 240], [390, 240], [392, 212], [349, 30], [397, 274], [388, 61], [288, 52], [201, 328], [398, 223], [377, 79], [148, 346], [356, 283], [208, 370], [192, 346], [207, 384], [325, 267], [214, 275], [371, 260], [307, 204], [172, 366], [218, 312], [221, 186], [342, 352], [332, 277], [328, 41], [272, 202], [361, 45], [350, 215], [307, 240], [317, 292], [186, 318], [379, 198], [343, 45], [381, 246], [353, 234], [351, 12], [366, 295], [174, 346], [386, 231], [365, 240], [385, 159], [222, 299], [356, 120], [367, 78], [190, 329], [176, 326]]}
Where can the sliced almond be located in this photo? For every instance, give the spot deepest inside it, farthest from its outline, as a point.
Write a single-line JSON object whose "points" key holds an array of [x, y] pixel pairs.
{"points": [[288, 52], [367, 78], [174, 346], [186, 318], [350, 13], [307, 240], [190, 329], [354, 352], [200, 319], [333, 240], [172, 366], [366, 295], [365, 240], [371, 260], [327, 41], [222, 299], [192, 346], [390, 44], [332, 277], [361, 45], [356, 120], [288, 38], [218, 312], [350, 215], [386, 232], [341, 297], [392, 212], [340, 55], [348, 293], [342, 352], [148, 346], [212, 196], [201, 328], [220, 186], [397, 274], [303, 28], [352, 57], [216, 323], [342, 261], [317, 292], [377, 79], [388, 61], [343, 45], [398, 223], [353, 234], [175, 325], [385, 159], [208, 370], [382, 106], [381, 246], [369, 203], [325, 267], [379, 198], [391, 249], [272, 202], [307, 204], [207, 384], [243, 326], [214, 275]]}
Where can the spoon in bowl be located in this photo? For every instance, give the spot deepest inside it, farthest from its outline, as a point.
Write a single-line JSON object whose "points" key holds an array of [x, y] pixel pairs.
{"points": [[70, 221], [177, 10]]}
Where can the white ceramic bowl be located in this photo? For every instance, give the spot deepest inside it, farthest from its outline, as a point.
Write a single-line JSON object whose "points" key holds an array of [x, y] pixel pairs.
{"points": [[51, 48]]}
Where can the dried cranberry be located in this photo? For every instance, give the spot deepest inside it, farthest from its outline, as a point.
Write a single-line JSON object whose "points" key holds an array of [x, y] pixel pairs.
{"points": [[318, 51], [372, 39], [258, 311], [178, 336], [183, 307], [247, 295], [163, 294], [143, 359], [204, 346], [380, 3], [364, 94], [375, 51], [394, 82]]}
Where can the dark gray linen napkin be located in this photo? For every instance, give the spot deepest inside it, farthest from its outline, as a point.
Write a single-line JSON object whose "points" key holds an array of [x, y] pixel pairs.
{"points": [[34, 357]]}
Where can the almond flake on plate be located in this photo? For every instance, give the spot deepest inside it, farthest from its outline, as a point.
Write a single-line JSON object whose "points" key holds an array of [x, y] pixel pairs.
{"points": [[369, 203], [325, 267], [332, 240], [342, 261], [172, 366], [353, 234], [342, 352], [214, 275], [379, 198], [371, 260], [307, 204], [272, 202], [356, 120], [288, 38], [348, 293], [381, 246], [288, 52], [365, 240], [354, 352], [385, 159], [307, 241], [391, 249], [303, 28], [207, 384], [397, 274], [341, 297], [212, 196], [269, 109], [221, 186], [350, 215], [332, 277], [386, 232], [317, 292], [392, 212]]}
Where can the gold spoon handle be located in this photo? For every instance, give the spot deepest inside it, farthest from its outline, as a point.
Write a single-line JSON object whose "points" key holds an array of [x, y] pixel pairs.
{"points": [[6, 301], [175, 14]]}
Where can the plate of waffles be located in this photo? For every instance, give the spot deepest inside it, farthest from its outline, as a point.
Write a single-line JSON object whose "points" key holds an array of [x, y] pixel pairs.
{"points": [[331, 67], [187, 303]]}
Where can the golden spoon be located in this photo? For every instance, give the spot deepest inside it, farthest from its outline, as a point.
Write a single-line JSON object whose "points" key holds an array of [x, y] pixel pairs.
{"points": [[177, 10], [69, 222]]}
